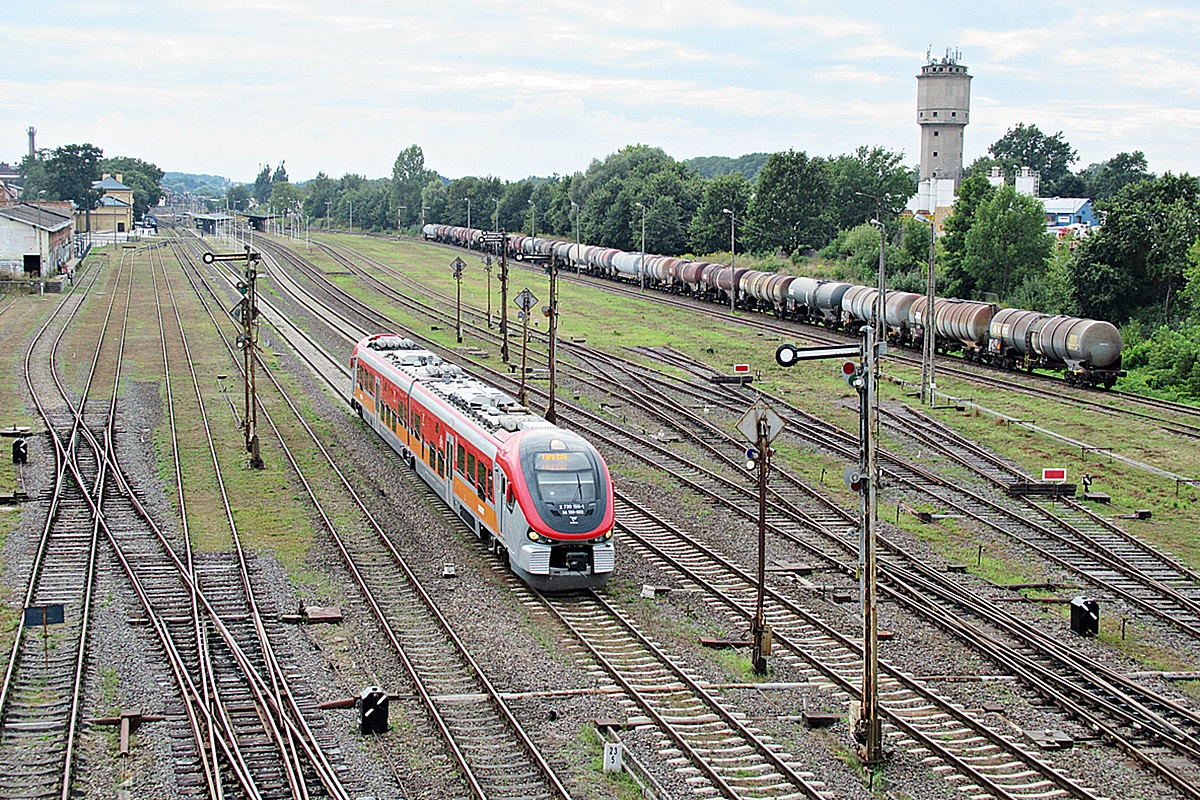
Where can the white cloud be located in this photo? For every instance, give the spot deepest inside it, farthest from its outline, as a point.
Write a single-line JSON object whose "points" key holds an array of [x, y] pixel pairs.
{"points": [[513, 88]]}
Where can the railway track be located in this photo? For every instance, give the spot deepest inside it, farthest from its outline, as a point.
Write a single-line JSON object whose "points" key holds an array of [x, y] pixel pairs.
{"points": [[197, 615], [1158, 731], [1176, 770], [1054, 537], [1177, 418], [1006, 761], [495, 755]]}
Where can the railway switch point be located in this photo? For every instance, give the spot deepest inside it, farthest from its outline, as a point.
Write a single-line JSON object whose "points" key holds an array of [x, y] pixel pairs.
{"points": [[373, 710]]}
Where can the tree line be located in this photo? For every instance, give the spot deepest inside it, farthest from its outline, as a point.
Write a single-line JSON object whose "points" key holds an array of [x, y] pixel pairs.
{"points": [[807, 214], [68, 172]]}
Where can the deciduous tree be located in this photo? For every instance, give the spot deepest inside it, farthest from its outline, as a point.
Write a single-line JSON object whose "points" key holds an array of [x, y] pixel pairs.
{"points": [[1026, 146], [860, 177], [709, 229], [262, 184], [1107, 178], [956, 280], [790, 210], [70, 172], [1133, 266], [143, 177], [1007, 242], [409, 179]]}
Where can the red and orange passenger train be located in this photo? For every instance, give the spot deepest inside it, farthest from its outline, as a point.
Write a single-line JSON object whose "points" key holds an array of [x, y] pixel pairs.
{"points": [[537, 493]]}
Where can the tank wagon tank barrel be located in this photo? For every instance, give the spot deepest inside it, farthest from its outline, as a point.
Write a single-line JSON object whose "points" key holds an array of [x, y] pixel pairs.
{"points": [[1088, 351]]}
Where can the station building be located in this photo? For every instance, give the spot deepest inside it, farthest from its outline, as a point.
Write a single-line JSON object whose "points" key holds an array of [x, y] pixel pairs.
{"points": [[115, 212]]}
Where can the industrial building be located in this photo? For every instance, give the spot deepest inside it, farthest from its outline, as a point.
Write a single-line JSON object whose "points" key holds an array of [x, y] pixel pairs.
{"points": [[34, 241]]}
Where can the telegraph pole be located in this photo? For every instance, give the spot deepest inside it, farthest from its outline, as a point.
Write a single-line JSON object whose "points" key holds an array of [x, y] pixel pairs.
{"points": [[551, 414], [929, 321], [246, 312]]}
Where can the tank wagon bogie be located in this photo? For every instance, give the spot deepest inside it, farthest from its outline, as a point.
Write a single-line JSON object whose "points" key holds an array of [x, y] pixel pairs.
{"points": [[1087, 351], [534, 492]]}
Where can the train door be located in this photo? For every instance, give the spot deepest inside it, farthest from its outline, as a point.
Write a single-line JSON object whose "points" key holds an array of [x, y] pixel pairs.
{"points": [[505, 506], [448, 461]]}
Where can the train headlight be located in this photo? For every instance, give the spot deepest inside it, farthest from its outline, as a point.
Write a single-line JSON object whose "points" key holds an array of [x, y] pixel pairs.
{"points": [[534, 536], [604, 537]]}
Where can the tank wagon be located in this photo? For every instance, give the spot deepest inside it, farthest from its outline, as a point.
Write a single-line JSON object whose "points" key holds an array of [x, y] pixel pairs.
{"points": [[535, 493], [1087, 351]]}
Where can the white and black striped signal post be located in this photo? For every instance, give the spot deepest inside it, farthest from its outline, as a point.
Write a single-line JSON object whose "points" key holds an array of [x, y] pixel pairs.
{"points": [[863, 479], [246, 312]]}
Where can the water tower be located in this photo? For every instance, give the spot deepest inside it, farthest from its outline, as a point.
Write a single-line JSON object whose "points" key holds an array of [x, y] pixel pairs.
{"points": [[943, 110]]}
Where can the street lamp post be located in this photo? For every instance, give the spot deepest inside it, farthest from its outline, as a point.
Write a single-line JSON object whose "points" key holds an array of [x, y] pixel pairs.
{"points": [[424, 208], [351, 216], [732, 295], [399, 209], [576, 257], [642, 260], [929, 322], [326, 215], [881, 299], [496, 214], [533, 220]]}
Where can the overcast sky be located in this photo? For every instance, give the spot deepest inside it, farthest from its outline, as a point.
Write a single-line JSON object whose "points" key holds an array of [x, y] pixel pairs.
{"points": [[514, 89]]}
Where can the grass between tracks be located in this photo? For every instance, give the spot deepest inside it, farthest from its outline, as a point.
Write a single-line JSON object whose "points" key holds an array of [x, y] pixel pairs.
{"points": [[266, 505], [614, 323]]}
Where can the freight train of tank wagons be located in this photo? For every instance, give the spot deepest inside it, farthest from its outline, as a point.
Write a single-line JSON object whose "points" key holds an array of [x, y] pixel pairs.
{"points": [[1087, 351], [538, 495]]}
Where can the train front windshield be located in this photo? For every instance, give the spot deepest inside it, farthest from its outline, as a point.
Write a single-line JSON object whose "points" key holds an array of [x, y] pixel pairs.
{"points": [[566, 480]]}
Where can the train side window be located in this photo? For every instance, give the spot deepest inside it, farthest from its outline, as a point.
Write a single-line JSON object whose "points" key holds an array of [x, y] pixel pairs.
{"points": [[441, 464], [490, 492], [509, 495], [462, 458], [481, 480], [471, 467]]}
